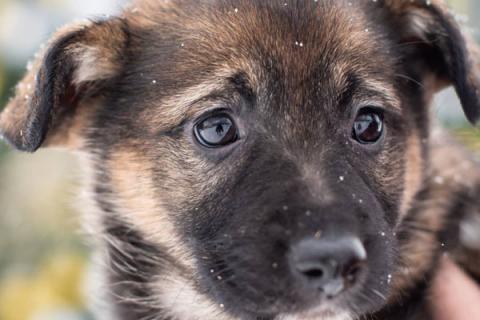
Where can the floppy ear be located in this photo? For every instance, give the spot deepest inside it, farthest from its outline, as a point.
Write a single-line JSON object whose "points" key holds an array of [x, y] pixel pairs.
{"points": [[76, 65], [440, 48]]}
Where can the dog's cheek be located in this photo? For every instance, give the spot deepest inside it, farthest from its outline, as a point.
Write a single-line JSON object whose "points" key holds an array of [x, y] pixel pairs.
{"points": [[387, 174], [413, 178], [416, 246], [151, 190], [138, 203], [418, 243]]}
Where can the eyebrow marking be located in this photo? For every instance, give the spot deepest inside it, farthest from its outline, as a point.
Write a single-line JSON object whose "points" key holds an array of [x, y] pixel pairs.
{"points": [[385, 90], [354, 87], [174, 110]]}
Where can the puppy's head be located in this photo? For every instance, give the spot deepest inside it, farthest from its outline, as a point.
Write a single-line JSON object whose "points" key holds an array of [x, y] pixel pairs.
{"points": [[267, 152]]}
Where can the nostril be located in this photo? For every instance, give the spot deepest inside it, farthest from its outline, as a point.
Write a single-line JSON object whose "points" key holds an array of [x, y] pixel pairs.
{"points": [[315, 268], [314, 273]]}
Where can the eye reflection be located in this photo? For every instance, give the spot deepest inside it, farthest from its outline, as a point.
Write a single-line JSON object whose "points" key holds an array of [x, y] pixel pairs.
{"points": [[216, 131], [368, 126]]}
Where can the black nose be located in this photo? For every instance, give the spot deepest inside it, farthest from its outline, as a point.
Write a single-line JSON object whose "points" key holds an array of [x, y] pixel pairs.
{"points": [[328, 265]]}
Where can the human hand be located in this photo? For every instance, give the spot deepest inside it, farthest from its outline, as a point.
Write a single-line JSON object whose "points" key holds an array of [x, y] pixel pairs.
{"points": [[455, 296]]}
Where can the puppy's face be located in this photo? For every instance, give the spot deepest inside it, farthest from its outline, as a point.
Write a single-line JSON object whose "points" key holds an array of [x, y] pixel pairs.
{"points": [[268, 152]]}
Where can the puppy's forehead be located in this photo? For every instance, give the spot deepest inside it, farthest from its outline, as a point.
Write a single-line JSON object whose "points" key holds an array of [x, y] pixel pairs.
{"points": [[289, 44]]}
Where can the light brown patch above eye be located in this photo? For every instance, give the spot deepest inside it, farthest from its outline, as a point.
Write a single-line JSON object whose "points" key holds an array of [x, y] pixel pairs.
{"points": [[385, 92], [359, 88], [186, 103]]}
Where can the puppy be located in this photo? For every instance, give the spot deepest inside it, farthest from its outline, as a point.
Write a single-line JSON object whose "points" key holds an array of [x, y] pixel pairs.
{"points": [[256, 159]]}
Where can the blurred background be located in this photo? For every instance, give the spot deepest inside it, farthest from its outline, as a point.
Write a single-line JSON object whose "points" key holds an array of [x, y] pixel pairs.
{"points": [[43, 259]]}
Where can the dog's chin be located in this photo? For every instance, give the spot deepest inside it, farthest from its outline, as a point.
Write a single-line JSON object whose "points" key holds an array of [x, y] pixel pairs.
{"points": [[318, 313], [324, 310]]}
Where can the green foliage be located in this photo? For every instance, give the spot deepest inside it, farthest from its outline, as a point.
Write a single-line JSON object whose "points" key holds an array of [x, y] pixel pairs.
{"points": [[470, 136]]}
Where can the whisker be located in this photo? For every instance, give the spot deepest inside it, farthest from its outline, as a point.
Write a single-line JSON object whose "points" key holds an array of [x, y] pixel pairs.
{"points": [[378, 293], [409, 79]]}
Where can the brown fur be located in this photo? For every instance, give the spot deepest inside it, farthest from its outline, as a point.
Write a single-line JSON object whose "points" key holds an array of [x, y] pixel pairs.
{"points": [[120, 98]]}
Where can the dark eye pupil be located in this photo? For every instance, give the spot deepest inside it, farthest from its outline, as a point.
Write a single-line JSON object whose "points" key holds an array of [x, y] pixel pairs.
{"points": [[216, 131], [220, 129], [368, 127]]}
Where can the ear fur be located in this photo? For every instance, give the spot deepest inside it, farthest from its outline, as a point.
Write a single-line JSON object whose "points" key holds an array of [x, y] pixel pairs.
{"points": [[78, 63], [447, 53]]}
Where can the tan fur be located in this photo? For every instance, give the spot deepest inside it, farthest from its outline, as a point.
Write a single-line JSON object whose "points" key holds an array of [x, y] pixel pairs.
{"points": [[414, 176], [140, 207], [92, 66], [70, 135], [451, 169], [218, 52], [323, 313], [416, 259], [187, 103], [186, 303]]}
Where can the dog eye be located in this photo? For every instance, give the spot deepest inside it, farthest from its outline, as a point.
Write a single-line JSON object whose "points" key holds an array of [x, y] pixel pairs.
{"points": [[216, 131], [368, 126]]}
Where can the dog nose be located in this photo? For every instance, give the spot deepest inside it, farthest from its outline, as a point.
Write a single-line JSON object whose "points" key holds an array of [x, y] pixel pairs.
{"points": [[328, 265]]}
